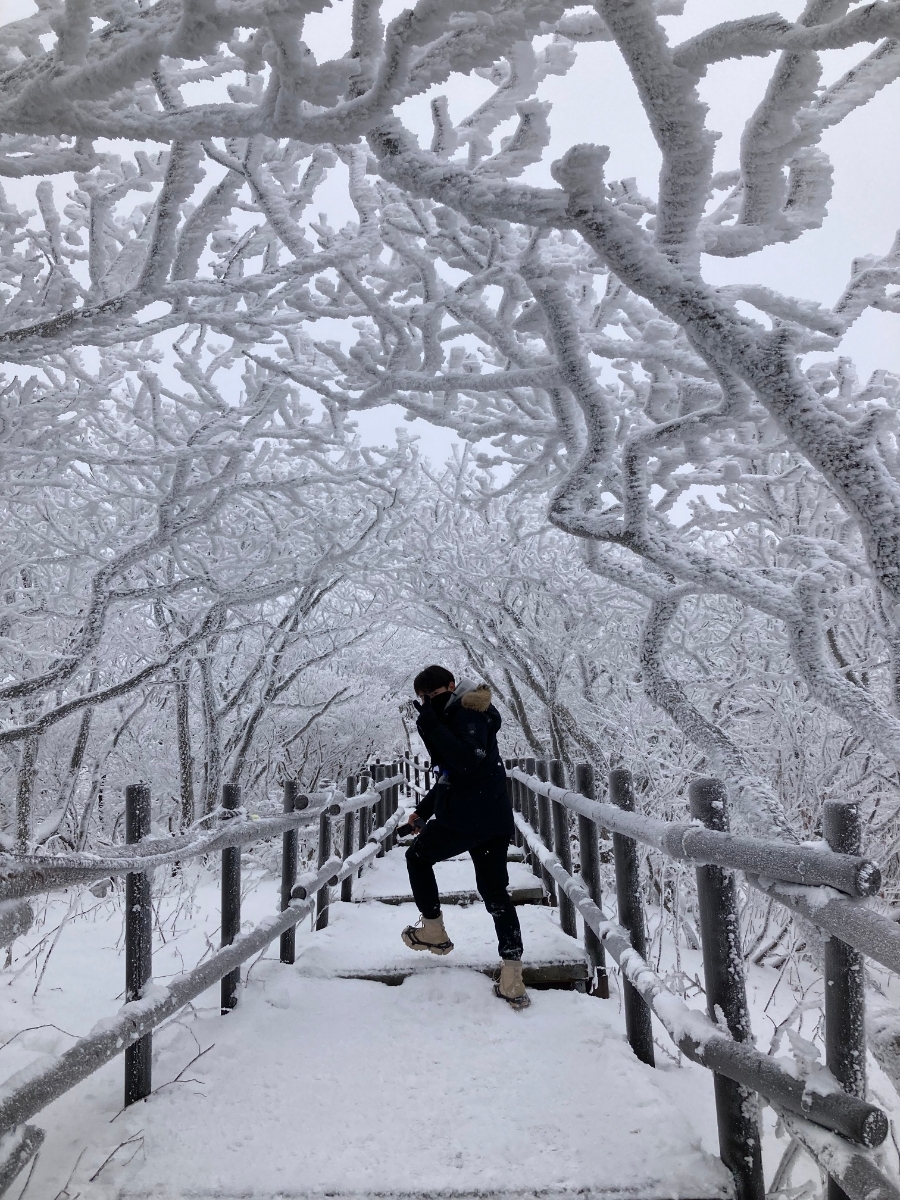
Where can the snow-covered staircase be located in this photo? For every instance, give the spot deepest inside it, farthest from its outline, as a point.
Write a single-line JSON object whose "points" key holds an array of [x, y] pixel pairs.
{"points": [[283, 1066], [324, 1082]]}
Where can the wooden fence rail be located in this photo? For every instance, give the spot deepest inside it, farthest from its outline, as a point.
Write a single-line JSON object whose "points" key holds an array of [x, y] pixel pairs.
{"points": [[27, 1092], [827, 886], [852, 874], [839, 1127], [23, 875]]}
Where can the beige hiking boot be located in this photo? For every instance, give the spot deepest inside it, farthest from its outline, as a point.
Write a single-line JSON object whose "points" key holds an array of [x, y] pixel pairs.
{"points": [[511, 987], [429, 934]]}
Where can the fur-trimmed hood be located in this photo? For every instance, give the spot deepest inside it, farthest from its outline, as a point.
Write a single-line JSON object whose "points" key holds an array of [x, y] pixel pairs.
{"points": [[475, 696]]}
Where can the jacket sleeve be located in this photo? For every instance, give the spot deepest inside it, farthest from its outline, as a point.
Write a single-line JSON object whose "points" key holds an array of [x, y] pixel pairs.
{"points": [[425, 807], [461, 754]]}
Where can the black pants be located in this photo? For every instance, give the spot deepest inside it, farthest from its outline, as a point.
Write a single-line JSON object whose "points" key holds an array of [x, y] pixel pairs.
{"points": [[438, 842]]}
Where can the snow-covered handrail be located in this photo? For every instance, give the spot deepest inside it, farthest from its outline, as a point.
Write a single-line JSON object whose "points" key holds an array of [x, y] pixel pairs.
{"points": [[313, 881], [33, 1088], [33, 874], [414, 769], [865, 930], [705, 1042], [28, 1091], [417, 788], [334, 871], [838, 1113], [352, 864], [688, 841], [383, 784], [367, 799]]}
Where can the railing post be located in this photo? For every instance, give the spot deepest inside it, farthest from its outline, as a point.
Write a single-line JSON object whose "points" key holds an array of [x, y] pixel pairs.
{"points": [[737, 1112], [393, 800], [380, 808], [529, 808], [845, 1042], [590, 877], [631, 918], [323, 897], [416, 779], [562, 848], [519, 798], [512, 791], [138, 941], [286, 944], [365, 822], [231, 898], [347, 847], [545, 828], [387, 801]]}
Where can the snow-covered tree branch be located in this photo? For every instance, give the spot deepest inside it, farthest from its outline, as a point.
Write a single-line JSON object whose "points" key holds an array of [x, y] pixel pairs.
{"points": [[695, 436]]}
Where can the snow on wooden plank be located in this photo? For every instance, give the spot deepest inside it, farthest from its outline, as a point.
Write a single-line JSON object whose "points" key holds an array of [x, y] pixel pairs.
{"points": [[533, 894], [437, 1089], [363, 941]]}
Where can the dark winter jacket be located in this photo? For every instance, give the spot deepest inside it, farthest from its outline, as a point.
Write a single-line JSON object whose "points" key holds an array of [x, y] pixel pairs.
{"points": [[470, 795]]}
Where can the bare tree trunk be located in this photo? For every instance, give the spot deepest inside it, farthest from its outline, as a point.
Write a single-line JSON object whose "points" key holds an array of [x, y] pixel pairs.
{"points": [[212, 781], [517, 704], [755, 800], [25, 777], [69, 783], [98, 776], [183, 731], [557, 740], [81, 741]]}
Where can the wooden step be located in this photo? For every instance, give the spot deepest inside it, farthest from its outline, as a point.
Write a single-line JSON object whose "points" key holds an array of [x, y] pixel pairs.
{"points": [[314, 1087], [519, 895], [571, 976], [362, 941]]}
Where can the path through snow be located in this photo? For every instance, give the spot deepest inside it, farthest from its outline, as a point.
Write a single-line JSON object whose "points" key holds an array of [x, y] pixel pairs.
{"points": [[324, 1086], [317, 1084]]}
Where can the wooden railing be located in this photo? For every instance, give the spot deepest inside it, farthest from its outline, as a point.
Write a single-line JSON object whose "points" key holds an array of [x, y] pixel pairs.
{"points": [[827, 886], [370, 803]]}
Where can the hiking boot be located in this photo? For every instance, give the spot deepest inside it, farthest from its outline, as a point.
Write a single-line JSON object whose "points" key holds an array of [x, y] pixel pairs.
{"points": [[511, 988], [429, 934]]}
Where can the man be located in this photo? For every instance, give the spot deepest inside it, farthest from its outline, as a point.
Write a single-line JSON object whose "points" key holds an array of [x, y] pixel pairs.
{"points": [[471, 811]]}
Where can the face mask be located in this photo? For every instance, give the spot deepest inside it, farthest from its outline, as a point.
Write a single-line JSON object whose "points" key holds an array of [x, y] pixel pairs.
{"points": [[439, 703]]}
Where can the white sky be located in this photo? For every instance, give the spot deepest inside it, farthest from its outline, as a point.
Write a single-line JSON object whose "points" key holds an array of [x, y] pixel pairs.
{"points": [[596, 102]]}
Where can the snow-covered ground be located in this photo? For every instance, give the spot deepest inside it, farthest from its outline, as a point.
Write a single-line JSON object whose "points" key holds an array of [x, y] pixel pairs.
{"points": [[347, 1087], [318, 1085], [363, 939]]}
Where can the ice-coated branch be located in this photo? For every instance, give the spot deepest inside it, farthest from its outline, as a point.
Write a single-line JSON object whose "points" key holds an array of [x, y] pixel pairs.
{"points": [[677, 119], [572, 367], [753, 799], [565, 332], [831, 28], [829, 685]]}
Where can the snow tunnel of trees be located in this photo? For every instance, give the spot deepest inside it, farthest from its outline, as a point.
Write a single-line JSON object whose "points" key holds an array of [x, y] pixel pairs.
{"points": [[328, 352]]}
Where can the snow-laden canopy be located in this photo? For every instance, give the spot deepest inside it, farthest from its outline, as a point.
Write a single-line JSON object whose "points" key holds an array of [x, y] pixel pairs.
{"points": [[188, 345]]}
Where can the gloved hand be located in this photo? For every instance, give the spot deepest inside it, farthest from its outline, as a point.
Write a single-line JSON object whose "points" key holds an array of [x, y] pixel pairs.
{"points": [[427, 716], [415, 825]]}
